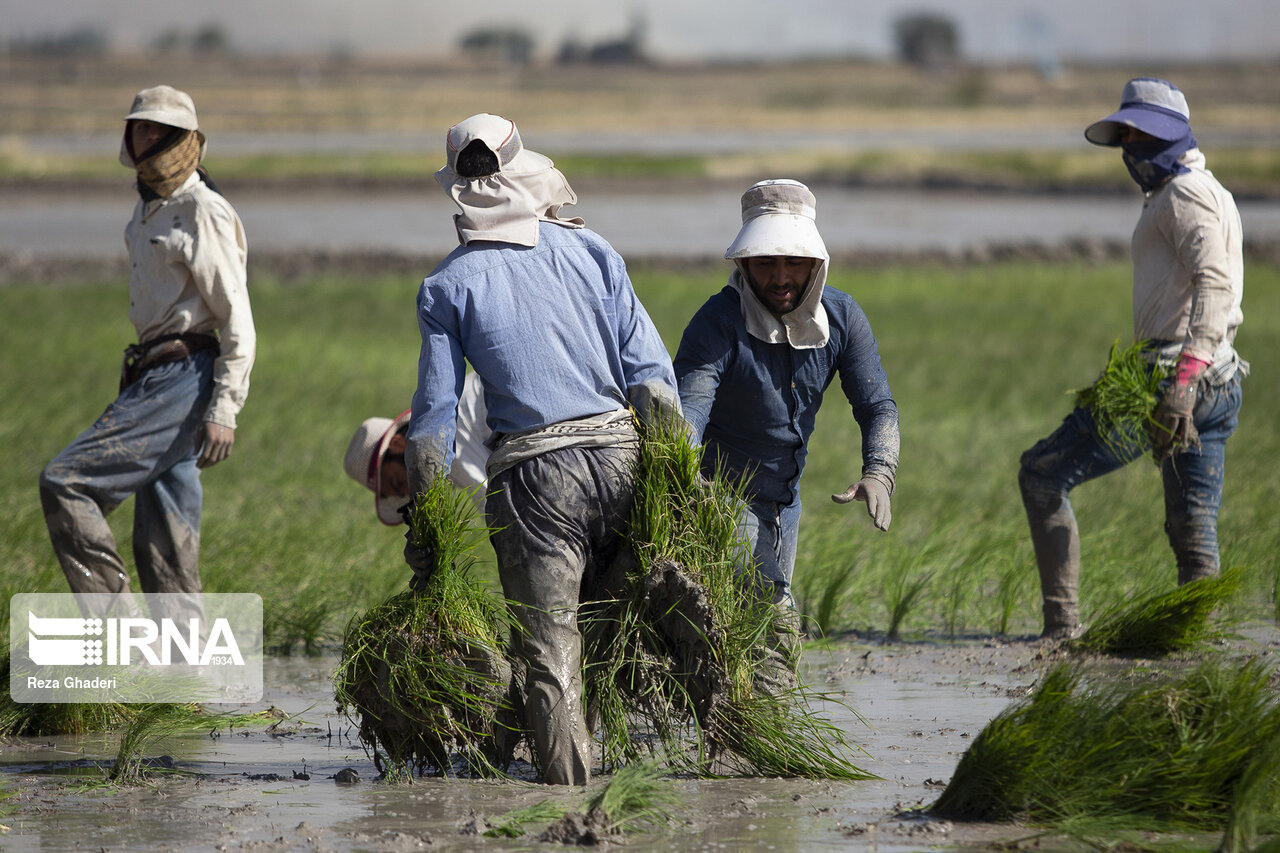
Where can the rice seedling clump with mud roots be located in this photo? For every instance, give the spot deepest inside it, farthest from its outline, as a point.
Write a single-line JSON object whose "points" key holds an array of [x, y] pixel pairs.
{"points": [[1164, 623], [692, 659], [1194, 750], [426, 671], [1123, 399]]}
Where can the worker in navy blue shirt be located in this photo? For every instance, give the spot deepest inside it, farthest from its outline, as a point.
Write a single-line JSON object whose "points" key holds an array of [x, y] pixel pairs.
{"points": [[753, 364]]}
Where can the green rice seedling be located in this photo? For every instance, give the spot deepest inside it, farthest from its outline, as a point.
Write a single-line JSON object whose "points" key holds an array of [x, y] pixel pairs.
{"points": [[304, 621], [690, 650], [1162, 623], [902, 594], [1123, 398], [425, 671], [150, 725], [1012, 582], [513, 823], [822, 596], [635, 799], [1168, 752]]}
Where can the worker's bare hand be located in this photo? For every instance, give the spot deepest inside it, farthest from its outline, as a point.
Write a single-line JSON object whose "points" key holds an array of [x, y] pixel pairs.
{"points": [[214, 444], [877, 499]]}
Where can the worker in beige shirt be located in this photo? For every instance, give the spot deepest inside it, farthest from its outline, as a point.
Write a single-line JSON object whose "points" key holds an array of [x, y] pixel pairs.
{"points": [[181, 386], [1188, 286]]}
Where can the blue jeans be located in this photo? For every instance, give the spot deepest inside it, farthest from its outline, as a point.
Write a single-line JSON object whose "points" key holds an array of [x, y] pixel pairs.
{"points": [[772, 529], [1075, 454], [143, 445]]}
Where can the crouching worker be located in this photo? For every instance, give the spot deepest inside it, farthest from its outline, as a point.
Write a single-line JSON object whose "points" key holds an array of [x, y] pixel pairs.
{"points": [[545, 313], [181, 386], [375, 456], [753, 364]]}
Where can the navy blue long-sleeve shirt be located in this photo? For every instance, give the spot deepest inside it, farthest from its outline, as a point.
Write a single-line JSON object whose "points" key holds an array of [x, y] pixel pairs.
{"points": [[754, 404]]}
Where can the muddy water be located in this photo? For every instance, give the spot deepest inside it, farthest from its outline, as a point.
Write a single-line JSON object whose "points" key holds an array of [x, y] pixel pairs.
{"points": [[242, 790]]}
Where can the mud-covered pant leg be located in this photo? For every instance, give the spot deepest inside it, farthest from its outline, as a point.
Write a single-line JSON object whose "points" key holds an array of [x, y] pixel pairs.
{"points": [[1193, 483], [559, 520], [772, 531], [1071, 455], [143, 436]]}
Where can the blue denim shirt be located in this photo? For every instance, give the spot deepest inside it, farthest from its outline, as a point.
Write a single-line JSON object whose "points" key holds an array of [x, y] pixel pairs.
{"points": [[754, 403], [554, 331]]}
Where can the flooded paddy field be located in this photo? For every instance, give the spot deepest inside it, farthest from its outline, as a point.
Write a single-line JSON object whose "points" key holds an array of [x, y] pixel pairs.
{"points": [[283, 787], [306, 784]]}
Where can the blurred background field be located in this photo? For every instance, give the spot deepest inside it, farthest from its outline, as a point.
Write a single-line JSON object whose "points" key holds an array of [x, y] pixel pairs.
{"points": [[343, 120], [980, 359]]}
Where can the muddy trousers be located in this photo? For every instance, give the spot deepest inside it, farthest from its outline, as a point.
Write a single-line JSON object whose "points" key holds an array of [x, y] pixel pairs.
{"points": [[142, 445], [1074, 454], [558, 520]]}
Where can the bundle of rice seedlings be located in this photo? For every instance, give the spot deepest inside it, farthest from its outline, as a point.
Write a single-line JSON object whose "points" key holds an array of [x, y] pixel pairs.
{"points": [[1163, 623], [691, 650], [1123, 398], [513, 824], [635, 799], [42, 719], [1193, 751], [425, 672]]}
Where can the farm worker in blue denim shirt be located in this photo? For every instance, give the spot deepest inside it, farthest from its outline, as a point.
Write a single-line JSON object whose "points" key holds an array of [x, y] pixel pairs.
{"points": [[545, 313], [755, 360], [182, 385], [1188, 287]]}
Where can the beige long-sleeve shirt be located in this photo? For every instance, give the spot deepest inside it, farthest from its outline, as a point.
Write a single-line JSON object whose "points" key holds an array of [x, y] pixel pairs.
{"points": [[187, 256], [1188, 266]]}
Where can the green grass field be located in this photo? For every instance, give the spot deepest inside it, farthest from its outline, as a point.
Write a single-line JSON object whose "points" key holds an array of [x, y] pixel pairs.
{"points": [[980, 360]]}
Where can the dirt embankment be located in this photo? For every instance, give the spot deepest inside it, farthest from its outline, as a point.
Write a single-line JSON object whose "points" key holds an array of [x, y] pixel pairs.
{"points": [[298, 266]]}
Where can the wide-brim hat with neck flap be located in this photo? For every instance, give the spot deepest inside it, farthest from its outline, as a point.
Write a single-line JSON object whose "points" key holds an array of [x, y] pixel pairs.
{"points": [[1153, 106], [500, 136], [779, 218]]}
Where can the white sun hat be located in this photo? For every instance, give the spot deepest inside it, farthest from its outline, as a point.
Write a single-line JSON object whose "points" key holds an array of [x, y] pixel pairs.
{"points": [[779, 218]]}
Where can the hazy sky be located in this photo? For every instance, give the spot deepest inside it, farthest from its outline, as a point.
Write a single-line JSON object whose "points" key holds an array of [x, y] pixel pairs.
{"points": [[686, 29]]}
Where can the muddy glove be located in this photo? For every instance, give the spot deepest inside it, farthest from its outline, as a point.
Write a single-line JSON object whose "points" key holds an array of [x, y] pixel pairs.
{"points": [[1174, 429], [875, 493], [421, 560]]}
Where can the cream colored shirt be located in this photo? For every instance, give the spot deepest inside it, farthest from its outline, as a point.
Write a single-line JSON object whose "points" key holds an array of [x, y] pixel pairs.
{"points": [[1188, 265], [187, 257]]}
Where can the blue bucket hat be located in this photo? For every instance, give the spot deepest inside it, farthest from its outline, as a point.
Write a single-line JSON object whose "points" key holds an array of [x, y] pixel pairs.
{"points": [[1151, 105]]}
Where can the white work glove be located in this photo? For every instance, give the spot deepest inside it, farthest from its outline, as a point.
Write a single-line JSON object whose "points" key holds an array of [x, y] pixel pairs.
{"points": [[876, 494]]}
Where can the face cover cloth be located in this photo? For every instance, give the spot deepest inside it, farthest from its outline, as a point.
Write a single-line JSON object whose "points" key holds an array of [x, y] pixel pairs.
{"points": [[168, 164], [1154, 161]]}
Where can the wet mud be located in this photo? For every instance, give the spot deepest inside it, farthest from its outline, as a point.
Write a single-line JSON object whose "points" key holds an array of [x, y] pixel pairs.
{"points": [[304, 783]]}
